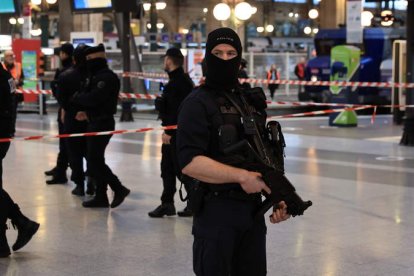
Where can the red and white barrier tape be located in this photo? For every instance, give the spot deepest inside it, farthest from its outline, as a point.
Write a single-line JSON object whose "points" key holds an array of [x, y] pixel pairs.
{"points": [[88, 134], [158, 76], [123, 95], [118, 132], [320, 112]]}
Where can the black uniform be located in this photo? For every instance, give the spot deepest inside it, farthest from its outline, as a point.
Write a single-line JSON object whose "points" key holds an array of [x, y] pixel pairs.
{"points": [[175, 91], [8, 209], [69, 82], [99, 99], [7, 91], [16, 97], [62, 161], [227, 238]]}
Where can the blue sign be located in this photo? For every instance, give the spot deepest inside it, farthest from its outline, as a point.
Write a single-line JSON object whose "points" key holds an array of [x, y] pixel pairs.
{"points": [[91, 4], [7, 6], [178, 37]]}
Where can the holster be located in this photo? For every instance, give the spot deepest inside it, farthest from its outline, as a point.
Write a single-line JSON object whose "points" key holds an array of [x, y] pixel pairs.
{"points": [[196, 193]]}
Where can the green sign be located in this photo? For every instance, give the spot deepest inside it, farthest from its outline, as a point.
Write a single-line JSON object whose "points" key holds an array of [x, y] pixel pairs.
{"points": [[29, 65], [345, 62]]}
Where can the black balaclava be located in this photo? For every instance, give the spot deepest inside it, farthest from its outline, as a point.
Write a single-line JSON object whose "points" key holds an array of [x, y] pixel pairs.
{"points": [[222, 73], [95, 64]]}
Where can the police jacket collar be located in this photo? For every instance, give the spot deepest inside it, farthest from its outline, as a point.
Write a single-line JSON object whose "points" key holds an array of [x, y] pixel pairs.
{"points": [[177, 72]]}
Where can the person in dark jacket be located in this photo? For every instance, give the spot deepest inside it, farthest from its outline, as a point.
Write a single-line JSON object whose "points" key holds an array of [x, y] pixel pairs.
{"points": [[228, 239], [98, 100], [243, 74], [175, 91], [62, 162], [68, 83], [8, 209]]}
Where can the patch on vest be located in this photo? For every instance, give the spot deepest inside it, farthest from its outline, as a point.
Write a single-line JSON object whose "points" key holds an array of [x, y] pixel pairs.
{"points": [[101, 84]]}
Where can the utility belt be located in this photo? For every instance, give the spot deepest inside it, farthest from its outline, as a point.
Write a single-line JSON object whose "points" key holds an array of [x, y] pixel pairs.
{"points": [[200, 193]]}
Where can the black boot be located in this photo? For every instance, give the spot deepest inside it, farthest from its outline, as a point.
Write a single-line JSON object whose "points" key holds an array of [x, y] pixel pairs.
{"points": [[119, 195], [186, 212], [58, 178], [165, 209], [50, 172], [4, 246], [26, 228], [79, 189], [101, 198], [90, 187]]}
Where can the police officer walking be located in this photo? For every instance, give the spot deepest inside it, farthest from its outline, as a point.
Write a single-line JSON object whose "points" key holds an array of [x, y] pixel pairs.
{"points": [[8, 209], [68, 83], [98, 99], [228, 240], [175, 91], [59, 171]]}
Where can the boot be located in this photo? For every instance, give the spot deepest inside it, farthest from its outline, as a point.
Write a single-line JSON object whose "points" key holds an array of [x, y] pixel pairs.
{"points": [[79, 189], [119, 195], [4, 246], [50, 172], [165, 209], [186, 212], [90, 187], [100, 200], [57, 179], [25, 229]]}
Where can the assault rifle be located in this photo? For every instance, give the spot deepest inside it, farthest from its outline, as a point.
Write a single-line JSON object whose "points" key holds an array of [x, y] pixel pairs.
{"points": [[272, 173]]}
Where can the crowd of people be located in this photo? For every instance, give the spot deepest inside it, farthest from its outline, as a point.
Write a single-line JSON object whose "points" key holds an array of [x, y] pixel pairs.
{"points": [[217, 114]]}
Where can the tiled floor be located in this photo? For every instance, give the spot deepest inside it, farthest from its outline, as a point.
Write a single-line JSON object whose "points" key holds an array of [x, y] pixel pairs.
{"points": [[360, 181]]}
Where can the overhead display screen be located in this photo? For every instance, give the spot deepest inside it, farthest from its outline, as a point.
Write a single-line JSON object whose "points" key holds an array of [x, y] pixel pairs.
{"points": [[91, 4], [292, 1], [7, 6]]}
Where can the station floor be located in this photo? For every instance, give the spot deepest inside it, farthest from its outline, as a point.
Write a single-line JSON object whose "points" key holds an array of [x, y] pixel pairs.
{"points": [[360, 181]]}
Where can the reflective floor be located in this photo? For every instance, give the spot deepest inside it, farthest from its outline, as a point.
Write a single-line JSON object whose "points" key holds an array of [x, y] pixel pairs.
{"points": [[360, 181]]}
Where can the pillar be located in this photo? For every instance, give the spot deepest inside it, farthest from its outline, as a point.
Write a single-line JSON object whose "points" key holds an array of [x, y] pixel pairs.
{"points": [[332, 13]]}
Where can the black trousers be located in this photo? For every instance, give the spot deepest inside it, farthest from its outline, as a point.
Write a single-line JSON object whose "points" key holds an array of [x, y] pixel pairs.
{"points": [[227, 239], [15, 103], [62, 158], [76, 147], [170, 170], [272, 89], [96, 146], [4, 147], [7, 207]]}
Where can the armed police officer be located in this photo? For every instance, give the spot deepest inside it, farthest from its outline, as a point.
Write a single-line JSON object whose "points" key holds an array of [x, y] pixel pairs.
{"points": [[8, 209], [68, 83], [175, 91], [98, 100], [58, 173], [228, 240]]}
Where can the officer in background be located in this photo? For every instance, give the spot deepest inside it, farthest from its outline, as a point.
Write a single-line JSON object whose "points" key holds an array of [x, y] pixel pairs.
{"points": [[8, 209], [243, 73], [16, 70], [227, 238], [59, 171], [175, 91], [98, 100], [68, 83]]}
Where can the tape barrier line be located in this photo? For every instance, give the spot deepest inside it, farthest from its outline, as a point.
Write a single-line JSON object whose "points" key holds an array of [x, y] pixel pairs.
{"points": [[123, 95], [152, 76], [140, 130], [87, 134], [320, 112]]}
